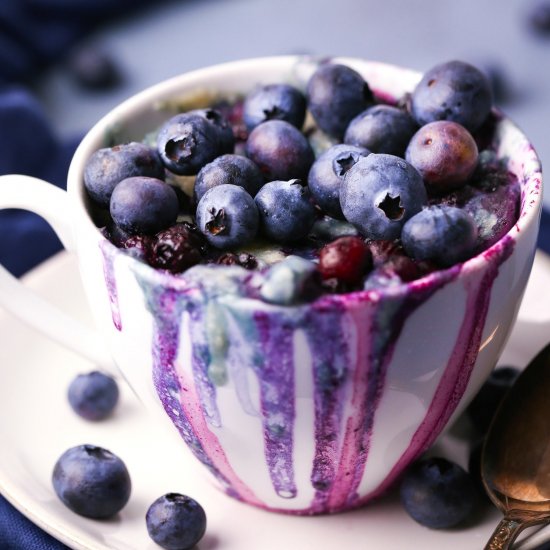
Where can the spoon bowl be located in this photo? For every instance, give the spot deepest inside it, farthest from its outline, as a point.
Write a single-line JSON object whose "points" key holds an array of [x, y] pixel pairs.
{"points": [[515, 463]]}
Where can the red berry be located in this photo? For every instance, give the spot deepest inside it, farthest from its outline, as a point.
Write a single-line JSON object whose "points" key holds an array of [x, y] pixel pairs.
{"points": [[346, 259]]}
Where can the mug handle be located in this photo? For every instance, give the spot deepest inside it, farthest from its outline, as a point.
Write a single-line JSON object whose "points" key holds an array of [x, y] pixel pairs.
{"points": [[52, 204]]}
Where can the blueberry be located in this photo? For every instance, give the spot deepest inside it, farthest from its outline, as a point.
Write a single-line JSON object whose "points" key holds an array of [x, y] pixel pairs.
{"points": [[286, 210], [177, 248], [93, 395], [227, 216], [484, 405], [445, 154], [454, 91], [280, 150], [228, 169], [94, 68], [327, 173], [91, 481], [109, 166], [444, 234], [274, 102], [290, 281], [221, 126], [539, 17], [144, 205], [176, 522], [382, 129], [438, 493], [380, 193], [187, 142], [336, 94]]}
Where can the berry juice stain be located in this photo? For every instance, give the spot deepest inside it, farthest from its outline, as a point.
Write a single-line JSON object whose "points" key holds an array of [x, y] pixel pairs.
{"points": [[330, 374], [277, 398], [457, 373], [351, 341], [227, 342], [109, 253], [191, 411]]}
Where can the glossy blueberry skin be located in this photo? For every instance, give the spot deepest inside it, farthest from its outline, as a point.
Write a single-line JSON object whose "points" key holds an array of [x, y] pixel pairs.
{"points": [[109, 166], [280, 150], [228, 169], [92, 481], [221, 126], [227, 216], [380, 193], [176, 522], [274, 102], [286, 210], [187, 142], [444, 234], [438, 493], [454, 91], [445, 154], [327, 174], [93, 395], [144, 205], [382, 129], [336, 94]]}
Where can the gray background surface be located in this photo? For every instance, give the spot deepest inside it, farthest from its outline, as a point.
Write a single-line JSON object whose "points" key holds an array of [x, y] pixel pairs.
{"points": [[181, 35]]}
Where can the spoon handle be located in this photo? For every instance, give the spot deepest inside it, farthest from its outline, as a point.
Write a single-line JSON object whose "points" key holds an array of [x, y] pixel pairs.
{"points": [[507, 531]]}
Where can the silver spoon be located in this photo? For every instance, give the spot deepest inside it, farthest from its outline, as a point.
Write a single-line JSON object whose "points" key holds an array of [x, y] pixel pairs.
{"points": [[515, 463]]}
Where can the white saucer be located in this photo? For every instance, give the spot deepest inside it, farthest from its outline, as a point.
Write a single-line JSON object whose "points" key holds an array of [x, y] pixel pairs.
{"points": [[37, 426]]}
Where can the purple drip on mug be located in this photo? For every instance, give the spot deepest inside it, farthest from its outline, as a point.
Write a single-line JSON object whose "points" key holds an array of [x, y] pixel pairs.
{"points": [[353, 343], [348, 378]]}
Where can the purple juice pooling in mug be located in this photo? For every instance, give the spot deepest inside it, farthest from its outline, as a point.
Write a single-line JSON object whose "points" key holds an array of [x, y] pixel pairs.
{"points": [[300, 390]]}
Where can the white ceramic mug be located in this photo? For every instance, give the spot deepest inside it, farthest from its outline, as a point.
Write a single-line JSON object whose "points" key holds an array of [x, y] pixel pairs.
{"points": [[305, 409]]}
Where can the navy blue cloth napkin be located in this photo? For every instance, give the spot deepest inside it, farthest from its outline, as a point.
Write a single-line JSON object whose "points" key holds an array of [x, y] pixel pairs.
{"points": [[34, 34], [19, 533]]}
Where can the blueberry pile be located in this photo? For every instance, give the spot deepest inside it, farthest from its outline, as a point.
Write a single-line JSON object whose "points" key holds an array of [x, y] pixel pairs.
{"points": [[395, 193]]}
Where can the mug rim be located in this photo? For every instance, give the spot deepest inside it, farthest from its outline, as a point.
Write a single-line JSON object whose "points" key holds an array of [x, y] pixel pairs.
{"points": [[530, 197]]}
